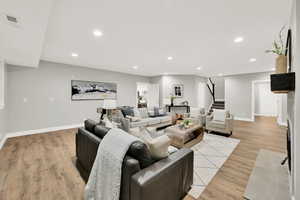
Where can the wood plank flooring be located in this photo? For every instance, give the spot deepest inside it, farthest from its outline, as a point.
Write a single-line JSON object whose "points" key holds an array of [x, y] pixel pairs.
{"points": [[42, 166]]}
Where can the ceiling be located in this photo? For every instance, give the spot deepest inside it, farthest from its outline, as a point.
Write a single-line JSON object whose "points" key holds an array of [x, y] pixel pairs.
{"points": [[22, 43], [144, 33]]}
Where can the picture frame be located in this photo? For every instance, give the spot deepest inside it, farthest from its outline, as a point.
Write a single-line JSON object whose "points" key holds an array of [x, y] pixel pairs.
{"points": [[92, 90], [178, 90]]}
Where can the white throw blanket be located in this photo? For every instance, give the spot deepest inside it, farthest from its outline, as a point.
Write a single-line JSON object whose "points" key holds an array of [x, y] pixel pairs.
{"points": [[105, 178]]}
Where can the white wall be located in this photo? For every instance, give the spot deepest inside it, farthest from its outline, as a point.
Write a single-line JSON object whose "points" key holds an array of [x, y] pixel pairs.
{"points": [[219, 87], [293, 101], [41, 98], [266, 102], [191, 88], [238, 94], [3, 113]]}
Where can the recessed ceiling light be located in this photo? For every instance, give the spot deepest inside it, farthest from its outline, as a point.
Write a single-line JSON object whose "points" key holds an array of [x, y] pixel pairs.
{"points": [[238, 39], [170, 58], [135, 67], [252, 60], [74, 55], [97, 33], [273, 69], [199, 68], [220, 74]]}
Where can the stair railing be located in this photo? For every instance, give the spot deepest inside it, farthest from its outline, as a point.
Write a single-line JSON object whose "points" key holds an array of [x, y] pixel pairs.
{"points": [[211, 89]]}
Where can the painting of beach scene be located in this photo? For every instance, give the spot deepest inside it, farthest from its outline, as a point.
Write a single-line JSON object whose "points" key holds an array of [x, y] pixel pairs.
{"points": [[89, 90]]}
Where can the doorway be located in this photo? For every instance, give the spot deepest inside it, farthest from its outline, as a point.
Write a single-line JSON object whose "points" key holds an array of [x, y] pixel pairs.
{"points": [[264, 102]]}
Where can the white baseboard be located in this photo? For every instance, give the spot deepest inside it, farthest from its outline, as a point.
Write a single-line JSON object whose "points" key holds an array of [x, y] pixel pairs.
{"points": [[293, 198], [38, 131], [243, 119], [282, 123], [2, 141], [264, 115]]}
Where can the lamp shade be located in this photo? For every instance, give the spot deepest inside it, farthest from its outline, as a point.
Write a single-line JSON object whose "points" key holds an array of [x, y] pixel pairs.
{"points": [[109, 104]]}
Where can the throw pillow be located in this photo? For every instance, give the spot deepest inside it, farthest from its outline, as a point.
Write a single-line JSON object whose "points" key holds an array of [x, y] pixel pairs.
{"points": [[158, 146], [219, 115], [143, 113], [127, 110], [162, 112], [136, 113]]}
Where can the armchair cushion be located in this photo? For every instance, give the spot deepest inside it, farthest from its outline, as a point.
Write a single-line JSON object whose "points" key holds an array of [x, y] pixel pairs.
{"points": [[219, 115]]}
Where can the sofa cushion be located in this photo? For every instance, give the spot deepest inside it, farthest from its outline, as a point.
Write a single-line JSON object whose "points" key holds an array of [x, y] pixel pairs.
{"points": [[165, 119], [127, 110], [217, 124], [89, 125], [139, 151], [143, 113], [152, 121], [142, 122], [101, 131]]}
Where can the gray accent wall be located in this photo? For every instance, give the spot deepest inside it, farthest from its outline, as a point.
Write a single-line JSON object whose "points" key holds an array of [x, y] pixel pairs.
{"points": [[41, 98], [238, 93]]}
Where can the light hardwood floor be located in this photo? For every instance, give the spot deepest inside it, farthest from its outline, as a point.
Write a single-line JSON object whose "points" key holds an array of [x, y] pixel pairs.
{"points": [[41, 167]]}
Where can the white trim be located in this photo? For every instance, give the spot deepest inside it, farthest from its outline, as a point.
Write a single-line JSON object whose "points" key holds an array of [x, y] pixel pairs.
{"points": [[293, 197], [282, 123], [38, 131], [2, 142], [2, 107], [220, 100], [244, 119], [265, 115]]}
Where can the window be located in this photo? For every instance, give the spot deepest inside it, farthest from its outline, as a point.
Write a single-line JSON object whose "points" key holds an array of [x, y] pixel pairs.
{"points": [[2, 82]]}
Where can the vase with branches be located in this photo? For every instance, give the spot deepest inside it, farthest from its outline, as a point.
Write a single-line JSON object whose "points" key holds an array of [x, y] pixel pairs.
{"points": [[279, 49]]}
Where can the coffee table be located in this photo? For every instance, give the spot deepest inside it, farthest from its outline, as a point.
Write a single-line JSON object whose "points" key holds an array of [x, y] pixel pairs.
{"points": [[179, 136]]}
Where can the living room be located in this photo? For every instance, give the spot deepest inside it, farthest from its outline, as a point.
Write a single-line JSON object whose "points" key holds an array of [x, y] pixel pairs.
{"points": [[191, 94]]}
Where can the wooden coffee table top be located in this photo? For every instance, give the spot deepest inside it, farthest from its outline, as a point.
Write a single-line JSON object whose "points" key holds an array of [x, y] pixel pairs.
{"points": [[177, 129]]}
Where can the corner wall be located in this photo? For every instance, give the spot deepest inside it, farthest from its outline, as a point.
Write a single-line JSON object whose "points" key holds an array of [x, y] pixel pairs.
{"points": [[41, 98], [3, 112], [238, 94]]}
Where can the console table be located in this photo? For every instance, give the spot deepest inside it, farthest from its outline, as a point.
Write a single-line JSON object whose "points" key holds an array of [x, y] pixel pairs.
{"points": [[169, 107]]}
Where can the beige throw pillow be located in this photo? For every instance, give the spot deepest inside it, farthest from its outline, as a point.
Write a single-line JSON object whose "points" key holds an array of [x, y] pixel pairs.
{"points": [[158, 146]]}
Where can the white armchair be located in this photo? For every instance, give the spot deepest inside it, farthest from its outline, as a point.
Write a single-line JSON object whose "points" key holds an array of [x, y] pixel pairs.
{"points": [[198, 113], [213, 123]]}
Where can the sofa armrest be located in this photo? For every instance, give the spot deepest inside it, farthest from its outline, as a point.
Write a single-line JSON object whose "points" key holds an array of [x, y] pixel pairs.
{"points": [[130, 166], [86, 149], [125, 123], [174, 174], [229, 123]]}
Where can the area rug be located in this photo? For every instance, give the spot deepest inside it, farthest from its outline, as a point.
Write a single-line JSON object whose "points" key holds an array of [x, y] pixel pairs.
{"points": [[209, 156], [269, 179]]}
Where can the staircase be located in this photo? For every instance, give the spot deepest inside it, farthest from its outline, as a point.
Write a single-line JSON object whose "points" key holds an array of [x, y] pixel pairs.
{"points": [[218, 105]]}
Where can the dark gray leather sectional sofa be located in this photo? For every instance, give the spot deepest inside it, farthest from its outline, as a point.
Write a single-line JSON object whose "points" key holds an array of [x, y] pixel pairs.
{"points": [[142, 177]]}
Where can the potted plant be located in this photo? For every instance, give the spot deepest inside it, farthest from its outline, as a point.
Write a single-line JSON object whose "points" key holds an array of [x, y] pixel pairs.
{"points": [[187, 123], [279, 49]]}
